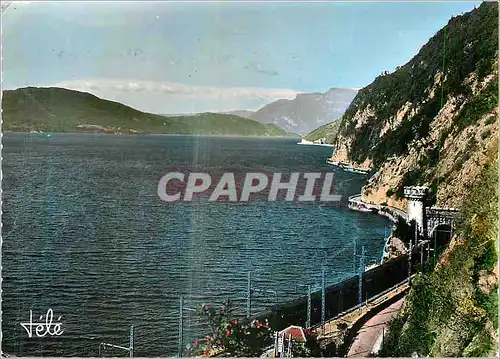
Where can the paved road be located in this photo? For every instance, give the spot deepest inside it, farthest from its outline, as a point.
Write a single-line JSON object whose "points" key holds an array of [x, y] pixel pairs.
{"points": [[370, 332], [357, 199]]}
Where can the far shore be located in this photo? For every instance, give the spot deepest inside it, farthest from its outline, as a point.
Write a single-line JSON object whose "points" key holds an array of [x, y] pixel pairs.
{"points": [[148, 134]]}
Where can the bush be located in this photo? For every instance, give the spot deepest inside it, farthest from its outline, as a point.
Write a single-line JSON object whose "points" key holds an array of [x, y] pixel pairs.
{"points": [[231, 336]]}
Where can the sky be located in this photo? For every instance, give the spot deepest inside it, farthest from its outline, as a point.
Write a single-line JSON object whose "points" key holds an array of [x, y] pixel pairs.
{"points": [[189, 57]]}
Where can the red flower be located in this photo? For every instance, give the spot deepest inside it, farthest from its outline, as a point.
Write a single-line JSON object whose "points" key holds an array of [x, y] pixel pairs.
{"points": [[228, 332], [205, 352], [219, 342], [235, 322]]}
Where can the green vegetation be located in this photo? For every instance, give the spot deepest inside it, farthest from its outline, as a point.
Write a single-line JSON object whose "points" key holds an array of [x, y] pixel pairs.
{"points": [[453, 311], [62, 110], [479, 105], [466, 48], [328, 131]]}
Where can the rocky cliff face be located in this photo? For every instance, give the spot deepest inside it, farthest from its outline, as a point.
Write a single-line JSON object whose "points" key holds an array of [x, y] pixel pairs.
{"points": [[430, 121]]}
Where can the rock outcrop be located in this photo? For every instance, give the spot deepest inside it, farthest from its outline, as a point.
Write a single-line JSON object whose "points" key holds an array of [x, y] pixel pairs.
{"points": [[395, 248], [430, 121]]}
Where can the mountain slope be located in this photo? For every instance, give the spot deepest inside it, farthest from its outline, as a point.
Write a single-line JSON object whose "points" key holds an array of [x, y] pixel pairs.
{"points": [[241, 113], [62, 110], [327, 132], [453, 311], [422, 125], [434, 122], [307, 111]]}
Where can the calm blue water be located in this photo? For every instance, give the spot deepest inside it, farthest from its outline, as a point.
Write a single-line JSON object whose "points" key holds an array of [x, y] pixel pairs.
{"points": [[85, 233]]}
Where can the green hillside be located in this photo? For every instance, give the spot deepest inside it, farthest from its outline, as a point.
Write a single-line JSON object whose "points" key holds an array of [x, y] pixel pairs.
{"points": [[434, 122], [429, 121], [62, 110], [467, 48], [327, 131], [453, 311]]}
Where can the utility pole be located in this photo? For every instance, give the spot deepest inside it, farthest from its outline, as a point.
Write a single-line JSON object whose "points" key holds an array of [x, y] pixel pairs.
{"points": [[131, 341], [289, 352], [309, 305], [421, 247], [181, 326], [361, 275], [409, 254], [249, 294], [354, 258], [308, 322], [417, 242], [428, 253], [182, 308], [435, 248], [130, 348], [340, 302], [323, 294]]}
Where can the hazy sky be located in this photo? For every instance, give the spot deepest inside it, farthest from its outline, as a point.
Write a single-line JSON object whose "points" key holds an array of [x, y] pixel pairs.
{"points": [[183, 57]]}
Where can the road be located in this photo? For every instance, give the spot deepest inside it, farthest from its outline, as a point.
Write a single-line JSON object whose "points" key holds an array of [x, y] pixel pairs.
{"points": [[357, 199], [372, 329]]}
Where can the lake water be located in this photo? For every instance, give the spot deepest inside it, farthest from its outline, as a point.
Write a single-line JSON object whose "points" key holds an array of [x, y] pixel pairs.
{"points": [[84, 233]]}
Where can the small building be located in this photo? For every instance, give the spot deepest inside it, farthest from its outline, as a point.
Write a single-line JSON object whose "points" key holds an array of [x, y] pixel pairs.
{"points": [[297, 333]]}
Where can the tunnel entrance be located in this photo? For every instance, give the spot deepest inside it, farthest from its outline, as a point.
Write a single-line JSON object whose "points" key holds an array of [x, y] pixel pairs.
{"points": [[439, 238]]}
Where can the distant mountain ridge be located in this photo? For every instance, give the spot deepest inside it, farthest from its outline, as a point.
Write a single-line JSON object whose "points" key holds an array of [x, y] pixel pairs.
{"points": [[242, 113], [53, 109], [307, 111]]}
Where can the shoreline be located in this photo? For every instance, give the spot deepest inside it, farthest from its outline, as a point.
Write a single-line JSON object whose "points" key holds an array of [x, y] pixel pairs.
{"points": [[147, 134], [315, 144]]}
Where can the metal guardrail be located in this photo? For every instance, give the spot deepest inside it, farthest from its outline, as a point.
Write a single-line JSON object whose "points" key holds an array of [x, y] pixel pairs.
{"points": [[395, 212]]}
